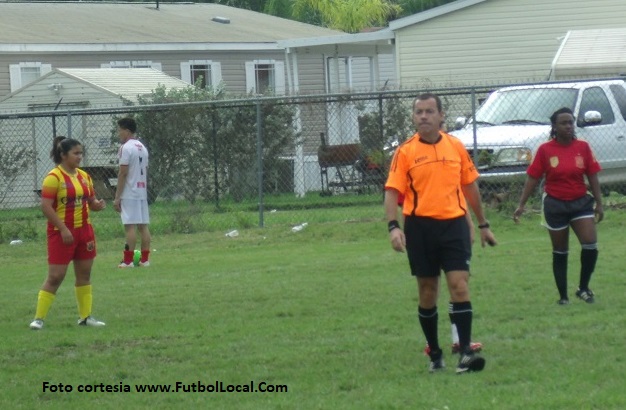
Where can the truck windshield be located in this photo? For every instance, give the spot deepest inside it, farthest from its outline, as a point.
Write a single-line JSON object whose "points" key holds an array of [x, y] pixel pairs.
{"points": [[525, 106]]}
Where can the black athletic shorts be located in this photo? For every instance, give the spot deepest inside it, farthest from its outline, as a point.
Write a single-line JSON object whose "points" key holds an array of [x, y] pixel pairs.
{"points": [[558, 214], [433, 245]]}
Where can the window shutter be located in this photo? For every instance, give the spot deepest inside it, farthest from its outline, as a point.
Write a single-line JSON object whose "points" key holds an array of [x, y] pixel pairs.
{"points": [[16, 76], [216, 74], [185, 72], [250, 77], [45, 69], [279, 77]]}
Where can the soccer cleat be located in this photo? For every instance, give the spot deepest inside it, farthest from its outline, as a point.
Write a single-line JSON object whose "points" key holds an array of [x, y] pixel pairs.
{"points": [[436, 362], [585, 295], [470, 362], [126, 265], [36, 324], [144, 264], [563, 301], [436, 365], [475, 346], [89, 321]]}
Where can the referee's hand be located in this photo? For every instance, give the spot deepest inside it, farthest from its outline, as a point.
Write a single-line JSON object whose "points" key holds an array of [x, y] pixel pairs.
{"points": [[398, 240], [487, 237]]}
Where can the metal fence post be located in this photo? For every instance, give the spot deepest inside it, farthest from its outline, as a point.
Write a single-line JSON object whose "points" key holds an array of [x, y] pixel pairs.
{"points": [[259, 153], [69, 125], [473, 97], [215, 159]]}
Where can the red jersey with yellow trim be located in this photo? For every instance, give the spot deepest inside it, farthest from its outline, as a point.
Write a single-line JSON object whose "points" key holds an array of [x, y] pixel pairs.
{"points": [[431, 175], [564, 167], [69, 194]]}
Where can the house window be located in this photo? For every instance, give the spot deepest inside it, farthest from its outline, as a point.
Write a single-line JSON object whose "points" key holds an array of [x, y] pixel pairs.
{"points": [[200, 73], [264, 76], [132, 64], [25, 73], [208, 72]]}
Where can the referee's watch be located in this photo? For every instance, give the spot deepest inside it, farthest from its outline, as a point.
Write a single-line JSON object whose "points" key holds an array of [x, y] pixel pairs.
{"points": [[484, 226]]}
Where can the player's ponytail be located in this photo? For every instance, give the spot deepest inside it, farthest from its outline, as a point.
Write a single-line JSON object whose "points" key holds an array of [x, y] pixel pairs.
{"points": [[55, 153]]}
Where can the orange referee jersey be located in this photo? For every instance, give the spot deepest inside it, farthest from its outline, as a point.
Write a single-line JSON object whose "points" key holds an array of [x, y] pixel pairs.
{"points": [[70, 194], [431, 175]]}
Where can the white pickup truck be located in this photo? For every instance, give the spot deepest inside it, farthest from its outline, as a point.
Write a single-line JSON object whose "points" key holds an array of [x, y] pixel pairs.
{"points": [[510, 125]]}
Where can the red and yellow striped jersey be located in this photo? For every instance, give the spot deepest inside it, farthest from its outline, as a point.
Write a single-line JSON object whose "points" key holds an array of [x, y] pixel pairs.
{"points": [[70, 194]]}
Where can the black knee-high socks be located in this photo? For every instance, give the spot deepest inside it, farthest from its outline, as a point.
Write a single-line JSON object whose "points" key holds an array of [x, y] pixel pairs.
{"points": [[588, 258], [559, 269], [428, 320], [461, 315]]}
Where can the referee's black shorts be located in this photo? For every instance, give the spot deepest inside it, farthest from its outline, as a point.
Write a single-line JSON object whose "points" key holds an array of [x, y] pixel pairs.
{"points": [[559, 214], [434, 244]]}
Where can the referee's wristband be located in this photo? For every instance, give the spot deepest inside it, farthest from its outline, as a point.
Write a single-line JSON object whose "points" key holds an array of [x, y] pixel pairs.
{"points": [[391, 225], [484, 226]]}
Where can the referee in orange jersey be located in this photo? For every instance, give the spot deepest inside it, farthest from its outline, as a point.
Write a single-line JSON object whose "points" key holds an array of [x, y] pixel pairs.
{"points": [[67, 196], [436, 175]]}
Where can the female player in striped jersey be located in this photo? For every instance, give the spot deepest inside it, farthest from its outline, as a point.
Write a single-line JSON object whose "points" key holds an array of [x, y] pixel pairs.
{"points": [[67, 196]]}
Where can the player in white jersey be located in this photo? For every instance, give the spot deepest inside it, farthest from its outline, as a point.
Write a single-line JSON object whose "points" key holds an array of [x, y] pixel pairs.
{"points": [[131, 196]]}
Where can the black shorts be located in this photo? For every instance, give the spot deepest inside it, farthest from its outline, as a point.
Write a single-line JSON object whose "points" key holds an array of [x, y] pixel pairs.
{"points": [[433, 245], [558, 214]]}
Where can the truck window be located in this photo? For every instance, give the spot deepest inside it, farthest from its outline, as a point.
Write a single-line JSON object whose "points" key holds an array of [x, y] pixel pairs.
{"points": [[525, 104], [619, 92], [594, 99]]}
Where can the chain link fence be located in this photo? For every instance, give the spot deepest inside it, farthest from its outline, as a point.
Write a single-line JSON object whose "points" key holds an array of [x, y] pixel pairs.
{"points": [[222, 164]]}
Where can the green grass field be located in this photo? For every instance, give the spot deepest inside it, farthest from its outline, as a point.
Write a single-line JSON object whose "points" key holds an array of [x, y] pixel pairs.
{"points": [[328, 313]]}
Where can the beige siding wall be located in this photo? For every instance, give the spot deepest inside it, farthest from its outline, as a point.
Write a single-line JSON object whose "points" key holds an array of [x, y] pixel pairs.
{"points": [[310, 73], [504, 41], [232, 63]]}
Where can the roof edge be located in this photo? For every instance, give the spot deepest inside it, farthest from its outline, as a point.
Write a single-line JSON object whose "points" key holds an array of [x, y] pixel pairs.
{"points": [[380, 35], [117, 47], [432, 13]]}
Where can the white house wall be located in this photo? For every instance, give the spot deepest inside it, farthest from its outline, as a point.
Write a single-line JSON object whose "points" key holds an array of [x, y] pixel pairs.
{"points": [[41, 94], [496, 41]]}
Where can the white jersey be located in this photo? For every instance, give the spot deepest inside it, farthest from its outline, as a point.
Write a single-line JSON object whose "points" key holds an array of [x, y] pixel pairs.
{"points": [[134, 154]]}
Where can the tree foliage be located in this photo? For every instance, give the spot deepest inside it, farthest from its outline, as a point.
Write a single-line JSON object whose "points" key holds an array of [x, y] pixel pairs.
{"points": [[13, 161], [347, 15], [210, 150]]}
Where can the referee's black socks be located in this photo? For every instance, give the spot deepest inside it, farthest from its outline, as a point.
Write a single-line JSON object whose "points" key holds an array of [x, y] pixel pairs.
{"points": [[428, 320], [461, 315]]}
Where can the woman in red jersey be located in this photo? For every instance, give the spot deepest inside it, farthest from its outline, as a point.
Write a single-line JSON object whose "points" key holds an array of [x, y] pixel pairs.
{"points": [[565, 161], [67, 196]]}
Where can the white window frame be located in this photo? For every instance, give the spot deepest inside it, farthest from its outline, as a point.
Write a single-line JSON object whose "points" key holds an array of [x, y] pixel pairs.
{"points": [[132, 64], [279, 75], [15, 73], [216, 72]]}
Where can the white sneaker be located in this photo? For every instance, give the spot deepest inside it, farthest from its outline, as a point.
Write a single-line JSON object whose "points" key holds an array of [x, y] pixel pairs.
{"points": [[89, 321], [124, 265], [144, 264], [36, 324]]}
